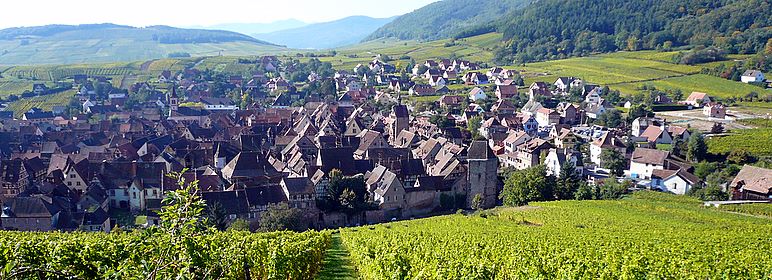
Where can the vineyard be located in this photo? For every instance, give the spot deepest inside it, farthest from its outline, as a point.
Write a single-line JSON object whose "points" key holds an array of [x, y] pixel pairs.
{"points": [[144, 255], [647, 236], [45, 102], [759, 209], [756, 141]]}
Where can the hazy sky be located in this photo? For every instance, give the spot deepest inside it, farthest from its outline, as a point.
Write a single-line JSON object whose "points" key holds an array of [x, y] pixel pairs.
{"points": [[188, 13]]}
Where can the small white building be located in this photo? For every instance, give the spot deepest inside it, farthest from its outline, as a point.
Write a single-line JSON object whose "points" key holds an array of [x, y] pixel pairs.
{"points": [[752, 76], [674, 181], [477, 94]]}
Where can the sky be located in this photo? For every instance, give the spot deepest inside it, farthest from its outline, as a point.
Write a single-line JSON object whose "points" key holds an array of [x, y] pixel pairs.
{"points": [[190, 13]]}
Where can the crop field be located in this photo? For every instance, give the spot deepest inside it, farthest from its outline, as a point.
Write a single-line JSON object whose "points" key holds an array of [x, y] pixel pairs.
{"points": [[646, 236], [712, 85], [45, 102], [608, 70], [756, 141], [145, 255], [758, 209]]}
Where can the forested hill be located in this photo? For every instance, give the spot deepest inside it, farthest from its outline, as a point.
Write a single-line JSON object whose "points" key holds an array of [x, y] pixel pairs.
{"points": [[99, 43], [161, 34], [555, 28], [447, 18]]}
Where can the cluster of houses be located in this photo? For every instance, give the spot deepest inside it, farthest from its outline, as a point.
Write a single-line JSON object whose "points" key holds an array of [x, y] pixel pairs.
{"points": [[74, 173]]}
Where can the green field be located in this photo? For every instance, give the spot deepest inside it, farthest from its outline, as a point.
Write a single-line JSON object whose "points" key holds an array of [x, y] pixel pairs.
{"points": [[759, 209], [647, 236], [99, 51], [45, 102], [756, 141]]}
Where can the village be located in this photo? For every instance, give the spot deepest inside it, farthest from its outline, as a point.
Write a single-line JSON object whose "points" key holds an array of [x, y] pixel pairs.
{"points": [[347, 147]]}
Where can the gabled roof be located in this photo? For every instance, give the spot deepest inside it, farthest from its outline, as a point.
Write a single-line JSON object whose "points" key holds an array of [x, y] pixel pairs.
{"points": [[480, 150], [755, 179], [649, 156]]}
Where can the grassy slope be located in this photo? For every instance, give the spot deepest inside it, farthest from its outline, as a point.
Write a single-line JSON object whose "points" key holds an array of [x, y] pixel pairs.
{"points": [[651, 235], [100, 51]]}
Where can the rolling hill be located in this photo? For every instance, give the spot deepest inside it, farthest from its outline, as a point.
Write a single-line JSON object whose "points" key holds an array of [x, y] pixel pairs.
{"points": [[256, 28], [550, 30], [447, 18], [94, 43], [342, 32]]}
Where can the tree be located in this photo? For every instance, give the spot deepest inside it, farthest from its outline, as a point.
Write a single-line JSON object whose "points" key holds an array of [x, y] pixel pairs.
{"points": [[768, 47], [239, 225], [739, 156], [585, 192], [282, 217], [473, 125], [477, 202], [612, 189], [611, 118], [567, 184], [639, 110], [677, 147], [696, 149], [712, 189], [614, 161], [527, 185], [216, 216]]}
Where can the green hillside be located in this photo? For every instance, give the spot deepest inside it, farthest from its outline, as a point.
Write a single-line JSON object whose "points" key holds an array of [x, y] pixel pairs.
{"points": [[550, 29], [63, 44], [646, 236], [447, 18]]}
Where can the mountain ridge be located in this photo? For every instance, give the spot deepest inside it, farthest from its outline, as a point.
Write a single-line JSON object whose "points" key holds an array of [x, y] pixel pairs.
{"points": [[325, 35]]}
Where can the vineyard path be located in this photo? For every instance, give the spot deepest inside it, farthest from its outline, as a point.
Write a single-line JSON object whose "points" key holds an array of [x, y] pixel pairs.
{"points": [[337, 263]]}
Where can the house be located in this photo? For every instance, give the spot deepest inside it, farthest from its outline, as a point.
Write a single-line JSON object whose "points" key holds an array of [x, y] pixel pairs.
{"points": [[594, 110], [475, 78], [504, 107], [539, 89], [515, 139], [218, 104], [752, 183], [562, 84], [557, 158], [437, 81], [697, 99], [752, 76], [421, 90], [506, 91], [658, 134], [675, 181], [38, 213], [607, 141], [477, 94], [644, 161], [530, 154], [39, 89], [451, 101], [546, 117], [299, 192], [714, 110]]}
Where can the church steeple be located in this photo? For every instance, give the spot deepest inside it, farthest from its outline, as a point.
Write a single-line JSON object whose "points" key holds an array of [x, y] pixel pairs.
{"points": [[174, 100]]}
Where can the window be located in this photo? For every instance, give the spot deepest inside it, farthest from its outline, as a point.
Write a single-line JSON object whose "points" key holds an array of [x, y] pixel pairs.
{"points": [[69, 183], [72, 176], [77, 183]]}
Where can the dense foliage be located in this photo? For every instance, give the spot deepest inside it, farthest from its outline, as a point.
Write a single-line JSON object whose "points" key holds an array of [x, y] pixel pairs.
{"points": [[447, 18], [556, 28], [222, 255], [649, 236]]}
